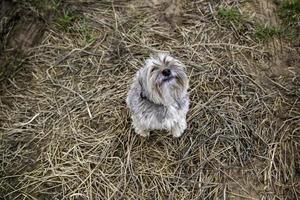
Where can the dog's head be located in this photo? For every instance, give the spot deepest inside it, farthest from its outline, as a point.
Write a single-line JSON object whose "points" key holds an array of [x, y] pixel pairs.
{"points": [[163, 79]]}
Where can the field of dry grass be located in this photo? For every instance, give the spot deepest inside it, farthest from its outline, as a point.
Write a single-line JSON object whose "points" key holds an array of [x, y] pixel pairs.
{"points": [[65, 131]]}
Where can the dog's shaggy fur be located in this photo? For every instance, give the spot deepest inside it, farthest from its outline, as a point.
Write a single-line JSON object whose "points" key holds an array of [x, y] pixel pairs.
{"points": [[158, 98]]}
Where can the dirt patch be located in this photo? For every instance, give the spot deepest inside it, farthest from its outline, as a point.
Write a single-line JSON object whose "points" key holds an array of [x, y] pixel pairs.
{"points": [[284, 62], [263, 11], [170, 11], [20, 30], [280, 57]]}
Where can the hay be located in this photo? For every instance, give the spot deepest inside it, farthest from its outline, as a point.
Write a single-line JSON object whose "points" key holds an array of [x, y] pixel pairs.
{"points": [[66, 132]]}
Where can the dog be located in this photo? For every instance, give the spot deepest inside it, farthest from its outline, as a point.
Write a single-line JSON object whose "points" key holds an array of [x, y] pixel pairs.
{"points": [[158, 98]]}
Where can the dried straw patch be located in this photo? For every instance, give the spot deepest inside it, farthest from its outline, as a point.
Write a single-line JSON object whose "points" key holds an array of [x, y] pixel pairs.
{"points": [[66, 133]]}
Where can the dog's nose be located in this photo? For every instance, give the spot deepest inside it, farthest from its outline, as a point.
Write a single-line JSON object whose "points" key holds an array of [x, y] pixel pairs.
{"points": [[166, 72]]}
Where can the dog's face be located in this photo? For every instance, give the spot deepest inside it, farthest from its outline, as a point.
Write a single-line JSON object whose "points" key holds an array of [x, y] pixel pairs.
{"points": [[165, 79]]}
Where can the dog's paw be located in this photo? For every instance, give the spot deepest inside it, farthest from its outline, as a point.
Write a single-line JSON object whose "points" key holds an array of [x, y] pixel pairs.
{"points": [[176, 132], [178, 129], [143, 133]]}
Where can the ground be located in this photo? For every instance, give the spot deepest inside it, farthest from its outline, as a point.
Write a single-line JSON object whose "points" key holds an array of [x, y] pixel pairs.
{"points": [[66, 132]]}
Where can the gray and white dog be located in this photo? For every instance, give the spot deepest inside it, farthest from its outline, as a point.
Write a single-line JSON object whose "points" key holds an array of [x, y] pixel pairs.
{"points": [[158, 98]]}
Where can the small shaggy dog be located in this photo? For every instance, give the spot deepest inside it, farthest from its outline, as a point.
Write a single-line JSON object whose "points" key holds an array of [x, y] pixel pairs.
{"points": [[158, 98]]}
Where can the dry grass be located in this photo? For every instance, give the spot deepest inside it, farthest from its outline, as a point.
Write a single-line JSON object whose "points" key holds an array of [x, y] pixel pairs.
{"points": [[65, 129]]}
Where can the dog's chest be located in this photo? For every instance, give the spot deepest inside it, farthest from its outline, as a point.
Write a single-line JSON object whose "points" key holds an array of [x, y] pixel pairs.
{"points": [[173, 115], [152, 116]]}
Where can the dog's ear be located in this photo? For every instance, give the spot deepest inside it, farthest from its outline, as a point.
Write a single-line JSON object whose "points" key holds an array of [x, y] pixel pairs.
{"points": [[142, 88]]}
